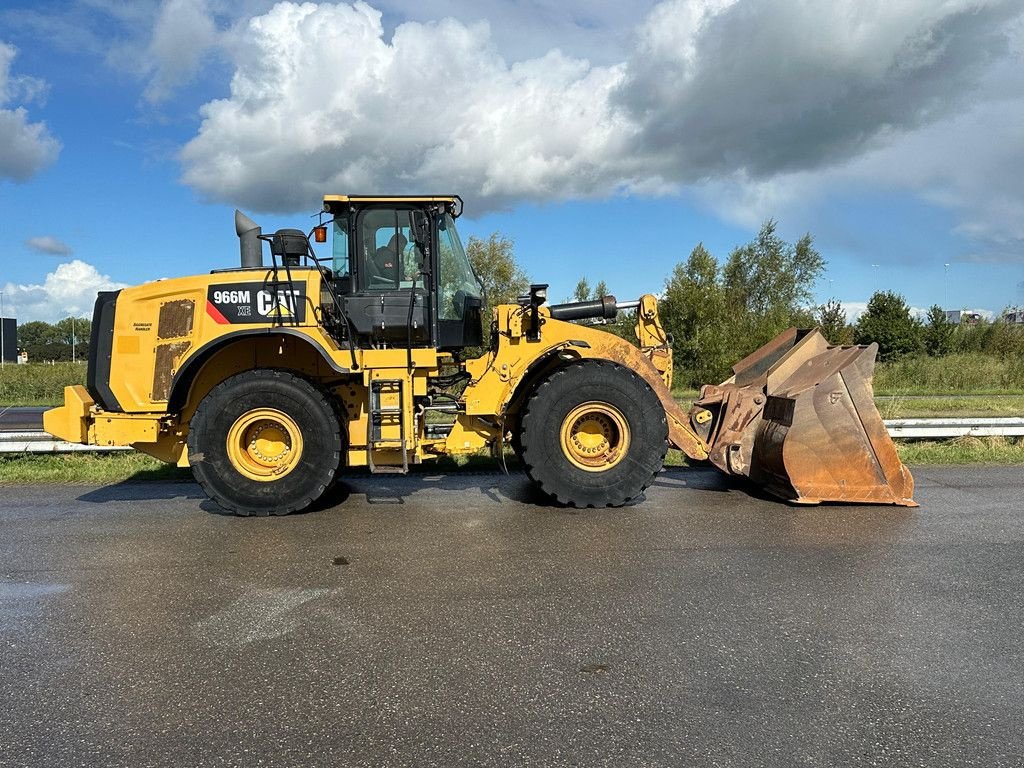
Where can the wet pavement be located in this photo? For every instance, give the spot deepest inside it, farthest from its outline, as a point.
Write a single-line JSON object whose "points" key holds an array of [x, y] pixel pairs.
{"points": [[15, 418], [453, 620]]}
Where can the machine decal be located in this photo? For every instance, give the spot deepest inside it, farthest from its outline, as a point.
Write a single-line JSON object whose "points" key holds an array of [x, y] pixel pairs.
{"points": [[241, 303]]}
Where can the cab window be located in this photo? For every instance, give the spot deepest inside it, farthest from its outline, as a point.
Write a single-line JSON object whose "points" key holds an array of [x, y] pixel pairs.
{"points": [[339, 248], [389, 258], [458, 282]]}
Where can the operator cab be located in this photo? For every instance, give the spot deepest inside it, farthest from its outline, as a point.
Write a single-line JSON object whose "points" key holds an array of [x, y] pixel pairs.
{"points": [[401, 273]]}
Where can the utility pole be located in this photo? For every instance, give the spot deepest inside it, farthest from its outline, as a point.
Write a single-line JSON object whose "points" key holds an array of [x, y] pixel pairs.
{"points": [[3, 345], [945, 287], [73, 339]]}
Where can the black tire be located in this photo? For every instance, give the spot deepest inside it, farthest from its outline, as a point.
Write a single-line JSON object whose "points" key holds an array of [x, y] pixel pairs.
{"points": [[342, 417], [571, 388], [308, 475]]}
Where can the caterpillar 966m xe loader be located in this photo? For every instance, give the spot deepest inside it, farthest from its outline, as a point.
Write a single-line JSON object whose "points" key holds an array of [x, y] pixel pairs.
{"points": [[269, 379]]}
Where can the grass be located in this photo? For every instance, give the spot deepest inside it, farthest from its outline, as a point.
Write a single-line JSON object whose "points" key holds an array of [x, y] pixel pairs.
{"points": [[923, 407], [952, 379], [963, 450], [954, 374], [38, 383], [86, 468], [961, 373], [950, 405], [104, 469]]}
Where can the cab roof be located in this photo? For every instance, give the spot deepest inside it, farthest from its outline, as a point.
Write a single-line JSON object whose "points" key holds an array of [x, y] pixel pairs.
{"points": [[391, 198], [452, 202]]}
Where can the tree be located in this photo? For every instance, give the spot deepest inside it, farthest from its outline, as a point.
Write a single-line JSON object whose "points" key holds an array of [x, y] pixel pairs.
{"points": [[719, 314], [42, 341], [693, 311], [494, 263], [769, 284], [582, 290], [937, 334], [888, 322], [831, 318], [75, 331]]}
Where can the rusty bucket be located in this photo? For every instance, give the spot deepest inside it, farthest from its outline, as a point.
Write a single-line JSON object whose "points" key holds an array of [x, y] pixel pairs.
{"points": [[798, 418]]}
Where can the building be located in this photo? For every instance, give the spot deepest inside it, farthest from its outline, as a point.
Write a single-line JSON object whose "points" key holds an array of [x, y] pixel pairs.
{"points": [[962, 317], [1014, 316], [9, 337]]}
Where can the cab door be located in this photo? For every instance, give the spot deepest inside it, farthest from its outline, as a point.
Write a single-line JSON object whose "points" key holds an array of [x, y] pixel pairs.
{"points": [[391, 301]]}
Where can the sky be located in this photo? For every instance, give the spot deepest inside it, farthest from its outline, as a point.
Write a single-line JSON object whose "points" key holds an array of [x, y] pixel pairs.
{"points": [[606, 139]]}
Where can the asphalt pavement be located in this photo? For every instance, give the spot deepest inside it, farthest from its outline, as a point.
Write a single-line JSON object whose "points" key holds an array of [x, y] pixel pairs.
{"points": [[456, 621], [20, 418]]}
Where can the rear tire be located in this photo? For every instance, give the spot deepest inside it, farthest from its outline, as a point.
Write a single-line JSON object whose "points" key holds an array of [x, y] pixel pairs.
{"points": [[265, 442], [593, 435]]}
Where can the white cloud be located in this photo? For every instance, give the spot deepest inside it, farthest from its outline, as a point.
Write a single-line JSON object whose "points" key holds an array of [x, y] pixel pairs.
{"points": [[340, 108], [49, 244], [753, 105], [761, 88], [70, 289], [854, 309], [526, 29], [25, 147], [968, 164], [182, 34]]}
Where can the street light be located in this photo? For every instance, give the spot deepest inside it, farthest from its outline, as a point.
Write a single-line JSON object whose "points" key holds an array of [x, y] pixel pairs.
{"points": [[945, 286], [3, 345], [73, 339]]}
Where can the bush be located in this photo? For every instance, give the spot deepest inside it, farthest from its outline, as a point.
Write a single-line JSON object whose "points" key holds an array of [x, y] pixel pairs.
{"points": [[888, 323], [957, 372], [38, 383], [937, 332], [719, 313]]}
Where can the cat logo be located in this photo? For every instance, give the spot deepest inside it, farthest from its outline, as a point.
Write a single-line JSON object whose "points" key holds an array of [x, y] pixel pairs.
{"points": [[255, 303], [276, 303]]}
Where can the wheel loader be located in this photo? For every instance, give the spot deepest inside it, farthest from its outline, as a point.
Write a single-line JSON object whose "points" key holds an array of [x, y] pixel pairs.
{"points": [[271, 378]]}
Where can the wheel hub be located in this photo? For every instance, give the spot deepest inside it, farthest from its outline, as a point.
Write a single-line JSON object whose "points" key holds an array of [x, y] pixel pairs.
{"points": [[594, 436], [264, 444]]}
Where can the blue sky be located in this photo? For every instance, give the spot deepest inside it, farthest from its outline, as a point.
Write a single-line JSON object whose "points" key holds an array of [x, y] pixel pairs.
{"points": [[605, 141]]}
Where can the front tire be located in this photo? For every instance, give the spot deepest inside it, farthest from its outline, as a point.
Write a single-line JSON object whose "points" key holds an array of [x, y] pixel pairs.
{"points": [[264, 442], [593, 435]]}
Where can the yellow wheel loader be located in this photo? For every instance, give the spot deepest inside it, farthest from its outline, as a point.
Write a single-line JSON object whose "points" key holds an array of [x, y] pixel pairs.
{"points": [[269, 379]]}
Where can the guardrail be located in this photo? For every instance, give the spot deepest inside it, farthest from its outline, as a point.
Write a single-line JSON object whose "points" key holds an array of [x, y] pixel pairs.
{"points": [[37, 441], [945, 428]]}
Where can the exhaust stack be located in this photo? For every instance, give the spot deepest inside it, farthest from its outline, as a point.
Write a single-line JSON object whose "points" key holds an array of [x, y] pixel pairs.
{"points": [[249, 240]]}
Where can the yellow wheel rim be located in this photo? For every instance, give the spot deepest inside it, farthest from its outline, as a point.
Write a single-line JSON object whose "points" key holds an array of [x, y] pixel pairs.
{"points": [[264, 444], [595, 436]]}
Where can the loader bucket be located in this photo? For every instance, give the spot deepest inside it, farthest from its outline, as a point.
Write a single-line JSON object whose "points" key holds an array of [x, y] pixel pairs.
{"points": [[798, 418]]}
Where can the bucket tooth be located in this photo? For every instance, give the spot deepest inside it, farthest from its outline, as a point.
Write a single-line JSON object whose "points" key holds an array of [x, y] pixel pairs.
{"points": [[798, 418]]}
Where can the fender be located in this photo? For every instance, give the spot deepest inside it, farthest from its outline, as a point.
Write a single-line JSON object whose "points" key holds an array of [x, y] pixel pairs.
{"points": [[183, 378]]}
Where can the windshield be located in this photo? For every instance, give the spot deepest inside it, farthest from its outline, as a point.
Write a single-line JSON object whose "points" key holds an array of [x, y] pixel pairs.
{"points": [[457, 279]]}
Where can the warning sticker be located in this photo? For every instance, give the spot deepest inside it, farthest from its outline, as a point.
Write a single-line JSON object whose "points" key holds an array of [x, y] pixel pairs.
{"points": [[232, 303]]}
